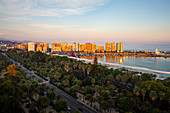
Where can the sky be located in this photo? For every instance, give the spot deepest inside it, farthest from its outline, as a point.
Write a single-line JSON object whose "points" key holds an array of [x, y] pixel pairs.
{"points": [[129, 21]]}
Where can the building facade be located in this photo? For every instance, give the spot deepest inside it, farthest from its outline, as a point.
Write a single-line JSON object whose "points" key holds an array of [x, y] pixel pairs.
{"points": [[100, 49], [94, 47], [108, 47], [88, 47], [82, 47], [113, 47], [121, 46], [64, 46], [117, 47], [31, 46]]}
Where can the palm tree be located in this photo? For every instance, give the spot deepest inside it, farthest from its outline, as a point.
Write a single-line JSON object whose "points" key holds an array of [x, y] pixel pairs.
{"points": [[40, 81], [143, 92], [88, 70], [110, 77], [162, 95], [136, 91], [32, 77], [118, 78], [153, 95], [28, 85]]}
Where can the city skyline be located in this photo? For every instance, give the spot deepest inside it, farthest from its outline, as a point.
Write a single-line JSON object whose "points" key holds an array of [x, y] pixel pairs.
{"points": [[99, 21]]}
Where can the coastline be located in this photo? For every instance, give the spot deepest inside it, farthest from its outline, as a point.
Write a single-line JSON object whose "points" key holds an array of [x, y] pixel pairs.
{"points": [[112, 65]]}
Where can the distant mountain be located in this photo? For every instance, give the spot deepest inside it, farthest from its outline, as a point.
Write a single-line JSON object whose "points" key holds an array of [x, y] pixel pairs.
{"points": [[3, 39]]}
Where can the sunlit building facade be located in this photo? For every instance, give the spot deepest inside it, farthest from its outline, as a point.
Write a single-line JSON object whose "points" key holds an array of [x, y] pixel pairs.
{"points": [[31, 46], [39, 48], [77, 46], [113, 47], [64, 46], [121, 46], [82, 47], [55, 47], [88, 47], [100, 49], [69, 47], [22, 46], [74, 47], [108, 47], [117, 47], [94, 47]]}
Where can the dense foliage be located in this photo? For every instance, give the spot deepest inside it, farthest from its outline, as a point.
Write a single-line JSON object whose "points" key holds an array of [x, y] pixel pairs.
{"points": [[124, 90], [19, 90]]}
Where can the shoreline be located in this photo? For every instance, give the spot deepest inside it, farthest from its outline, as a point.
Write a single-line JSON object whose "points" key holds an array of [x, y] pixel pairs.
{"points": [[157, 72]]}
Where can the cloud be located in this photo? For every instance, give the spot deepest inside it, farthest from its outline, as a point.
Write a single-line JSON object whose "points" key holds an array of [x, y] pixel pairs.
{"points": [[46, 26], [49, 7]]}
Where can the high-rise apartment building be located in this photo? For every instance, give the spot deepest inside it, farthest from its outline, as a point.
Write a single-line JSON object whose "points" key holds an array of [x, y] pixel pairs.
{"points": [[82, 47], [121, 46], [69, 47], [88, 47], [113, 47], [55, 47], [74, 47], [94, 47], [45, 46], [31, 46], [100, 49], [64, 46], [77, 46], [39, 48], [117, 47], [108, 47]]}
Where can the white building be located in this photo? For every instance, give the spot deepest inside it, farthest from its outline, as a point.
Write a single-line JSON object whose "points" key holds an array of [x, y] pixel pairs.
{"points": [[74, 47], [31, 46], [77, 46]]}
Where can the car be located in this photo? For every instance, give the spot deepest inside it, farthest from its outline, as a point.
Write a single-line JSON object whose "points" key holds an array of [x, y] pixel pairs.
{"points": [[68, 108]]}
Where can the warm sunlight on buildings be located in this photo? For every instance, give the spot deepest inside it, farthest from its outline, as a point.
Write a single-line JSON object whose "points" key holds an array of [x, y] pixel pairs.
{"points": [[39, 48], [94, 47], [113, 47], [82, 47], [117, 47], [88, 47], [100, 49], [31, 46], [108, 47], [121, 46]]}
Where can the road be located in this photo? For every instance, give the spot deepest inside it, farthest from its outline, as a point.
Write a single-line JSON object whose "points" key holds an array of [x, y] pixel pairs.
{"points": [[72, 102]]}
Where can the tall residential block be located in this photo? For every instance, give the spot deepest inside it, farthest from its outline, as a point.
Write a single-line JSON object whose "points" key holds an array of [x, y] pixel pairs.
{"points": [[31, 46], [82, 47], [55, 47], [69, 47], [117, 47], [77, 46], [108, 47], [113, 47], [74, 47], [121, 46], [88, 47], [94, 47], [39, 48], [64, 46], [45, 46], [100, 49]]}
